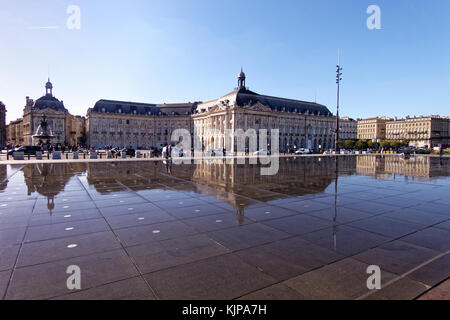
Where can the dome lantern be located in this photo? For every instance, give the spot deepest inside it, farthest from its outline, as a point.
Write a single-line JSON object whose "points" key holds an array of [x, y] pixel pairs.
{"points": [[241, 79], [49, 88]]}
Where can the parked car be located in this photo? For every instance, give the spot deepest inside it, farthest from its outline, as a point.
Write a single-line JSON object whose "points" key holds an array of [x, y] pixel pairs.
{"points": [[302, 151], [404, 151], [177, 152], [262, 152], [155, 152], [128, 151], [27, 150]]}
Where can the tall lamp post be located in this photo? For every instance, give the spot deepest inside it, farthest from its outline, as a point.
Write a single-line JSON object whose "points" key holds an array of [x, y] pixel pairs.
{"points": [[338, 82]]}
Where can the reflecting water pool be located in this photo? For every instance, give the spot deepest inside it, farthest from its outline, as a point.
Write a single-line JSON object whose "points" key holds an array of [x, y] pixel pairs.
{"points": [[215, 230]]}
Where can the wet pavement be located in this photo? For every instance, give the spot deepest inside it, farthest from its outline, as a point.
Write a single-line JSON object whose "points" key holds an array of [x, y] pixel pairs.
{"points": [[152, 230]]}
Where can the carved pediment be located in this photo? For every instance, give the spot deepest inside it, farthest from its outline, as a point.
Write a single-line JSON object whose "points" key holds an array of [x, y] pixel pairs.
{"points": [[258, 107], [218, 107]]}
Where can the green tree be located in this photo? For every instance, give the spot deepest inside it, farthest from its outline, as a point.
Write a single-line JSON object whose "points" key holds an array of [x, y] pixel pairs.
{"points": [[361, 144], [341, 143], [349, 144], [385, 144], [372, 145], [395, 144]]}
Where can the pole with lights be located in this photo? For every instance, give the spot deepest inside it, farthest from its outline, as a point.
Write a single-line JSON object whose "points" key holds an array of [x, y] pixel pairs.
{"points": [[338, 82]]}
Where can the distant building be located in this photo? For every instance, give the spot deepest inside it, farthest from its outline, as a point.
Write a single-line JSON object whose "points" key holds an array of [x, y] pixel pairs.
{"points": [[14, 132], [348, 128], [2, 125], [139, 125], [373, 129], [68, 130], [423, 131]]}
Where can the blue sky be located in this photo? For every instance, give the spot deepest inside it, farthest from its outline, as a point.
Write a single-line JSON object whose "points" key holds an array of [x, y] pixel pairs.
{"points": [[179, 51]]}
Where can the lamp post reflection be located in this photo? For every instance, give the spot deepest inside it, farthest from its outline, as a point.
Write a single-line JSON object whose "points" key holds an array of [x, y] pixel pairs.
{"points": [[336, 177]]}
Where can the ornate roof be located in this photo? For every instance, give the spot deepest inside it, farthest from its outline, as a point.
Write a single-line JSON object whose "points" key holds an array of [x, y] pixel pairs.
{"points": [[48, 101], [243, 97], [113, 106]]}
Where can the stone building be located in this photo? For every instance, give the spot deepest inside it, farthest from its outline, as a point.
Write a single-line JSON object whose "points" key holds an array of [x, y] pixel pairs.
{"points": [[139, 125], [373, 128], [68, 130], [302, 124], [2, 125], [14, 134], [348, 128], [422, 132]]}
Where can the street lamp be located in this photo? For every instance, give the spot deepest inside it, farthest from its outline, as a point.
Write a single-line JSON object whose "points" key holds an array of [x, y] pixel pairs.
{"points": [[338, 82]]}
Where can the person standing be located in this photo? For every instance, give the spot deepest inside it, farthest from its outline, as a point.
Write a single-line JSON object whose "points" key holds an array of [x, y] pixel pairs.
{"points": [[169, 151]]}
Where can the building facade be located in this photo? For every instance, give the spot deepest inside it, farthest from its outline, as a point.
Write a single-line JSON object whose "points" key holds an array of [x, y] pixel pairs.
{"points": [[14, 134], [422, 132], [67, 129], [139, 125], [373, 128], [301, 124], [143, 125], [348, 128], [2, 125]]}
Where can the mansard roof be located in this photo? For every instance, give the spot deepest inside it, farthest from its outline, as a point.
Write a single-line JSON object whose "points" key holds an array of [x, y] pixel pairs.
{"points": [[113, 106], [242, 97], [49, 101]]}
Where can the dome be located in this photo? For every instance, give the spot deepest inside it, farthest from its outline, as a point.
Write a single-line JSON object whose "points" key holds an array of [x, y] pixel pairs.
{"points": [[51, 102], [241, 75]]}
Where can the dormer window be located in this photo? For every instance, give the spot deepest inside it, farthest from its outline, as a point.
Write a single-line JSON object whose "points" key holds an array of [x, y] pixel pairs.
{"points": [[134, 111], [103, 110], [119, 111]]}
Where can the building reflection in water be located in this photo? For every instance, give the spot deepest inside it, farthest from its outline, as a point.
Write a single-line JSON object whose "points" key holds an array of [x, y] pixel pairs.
{"points": [[3, 178], [239, 186], [49, 179], [417, 167]]}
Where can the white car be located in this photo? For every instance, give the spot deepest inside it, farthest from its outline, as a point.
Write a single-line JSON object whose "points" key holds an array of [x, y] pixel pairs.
{"points": [[262, 152], [303, 151], [177, 152]]}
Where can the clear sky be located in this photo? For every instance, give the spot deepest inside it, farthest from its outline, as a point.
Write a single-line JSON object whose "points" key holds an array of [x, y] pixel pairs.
{"points": [[189, 50]]}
